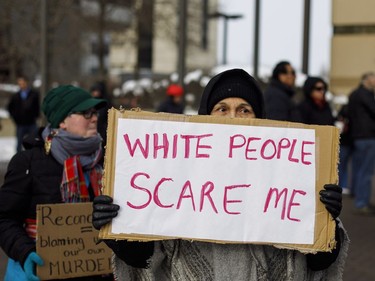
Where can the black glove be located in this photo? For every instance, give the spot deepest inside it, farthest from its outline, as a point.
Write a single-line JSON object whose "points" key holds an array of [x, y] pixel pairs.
{"points": [[331, 197], [103, 211]]}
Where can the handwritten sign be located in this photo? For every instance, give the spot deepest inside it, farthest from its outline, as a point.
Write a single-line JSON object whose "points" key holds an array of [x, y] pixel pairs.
{"points": [[67, 242], [220, 180], [202, 181]]}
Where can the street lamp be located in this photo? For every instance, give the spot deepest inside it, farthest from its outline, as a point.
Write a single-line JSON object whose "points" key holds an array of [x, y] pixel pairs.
{"points": [[226, 17]]}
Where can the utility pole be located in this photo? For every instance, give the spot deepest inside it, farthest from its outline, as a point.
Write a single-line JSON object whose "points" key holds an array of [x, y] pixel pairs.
{"points": [[306, 38], [204, 39], [256, 39], [44, 49], [226, 18], [182, 42]]}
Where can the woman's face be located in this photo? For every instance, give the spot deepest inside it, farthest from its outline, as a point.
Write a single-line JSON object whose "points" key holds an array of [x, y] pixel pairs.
{"points": [[318, 91], [288, 77], [83, 124], [233, 107]]}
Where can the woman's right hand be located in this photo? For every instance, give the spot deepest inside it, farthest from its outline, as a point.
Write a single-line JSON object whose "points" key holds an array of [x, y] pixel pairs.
{"points": [[103, 211]]}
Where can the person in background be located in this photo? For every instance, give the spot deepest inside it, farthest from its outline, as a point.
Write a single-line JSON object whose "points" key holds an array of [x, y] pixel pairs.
{"points": [[314, 109], [59, 165], [232, 93], [98, 91], [174, 101], [362, 128], [278, 96], [24, 109], [346, 151]]}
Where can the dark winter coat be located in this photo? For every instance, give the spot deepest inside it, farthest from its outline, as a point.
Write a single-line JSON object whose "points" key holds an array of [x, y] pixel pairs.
{"points": [[32, 178], [313, 115], [170, 106], [24, 112], [362, 113], [343, 116], [278, 99], [102, 127]]}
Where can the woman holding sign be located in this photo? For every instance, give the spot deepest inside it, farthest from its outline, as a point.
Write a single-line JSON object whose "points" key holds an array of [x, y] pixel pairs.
{"points": [[232, 93], [58, 166]]}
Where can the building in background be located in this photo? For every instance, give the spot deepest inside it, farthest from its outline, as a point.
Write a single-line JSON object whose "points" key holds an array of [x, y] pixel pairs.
{"points": [[92, 39], [152, 42], [353, 43]]}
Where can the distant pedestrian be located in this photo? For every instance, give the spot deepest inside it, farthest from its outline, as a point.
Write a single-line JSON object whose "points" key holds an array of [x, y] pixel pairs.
{"points": [[99, 91], [346, 151], [278, 96], [314, 109], [174, 101], [362, 128], [24, 109]]}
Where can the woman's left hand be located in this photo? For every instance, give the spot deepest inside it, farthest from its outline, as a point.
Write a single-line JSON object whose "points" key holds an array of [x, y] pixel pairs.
{"points": [[331, 197]]}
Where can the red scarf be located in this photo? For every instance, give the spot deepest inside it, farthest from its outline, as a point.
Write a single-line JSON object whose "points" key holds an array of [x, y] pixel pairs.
{"points": [[320, 103], [73, 186]]}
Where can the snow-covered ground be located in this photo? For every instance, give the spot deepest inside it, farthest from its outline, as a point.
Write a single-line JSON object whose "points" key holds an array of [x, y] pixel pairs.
{"points": [[7, 148]]}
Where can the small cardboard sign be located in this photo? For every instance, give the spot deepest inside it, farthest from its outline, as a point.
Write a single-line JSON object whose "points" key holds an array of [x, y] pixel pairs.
{"points": [[67, 242], [219, 179]]}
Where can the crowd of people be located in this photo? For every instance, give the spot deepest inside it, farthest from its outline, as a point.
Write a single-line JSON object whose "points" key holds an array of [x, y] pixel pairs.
{"points": [[74, 139]]}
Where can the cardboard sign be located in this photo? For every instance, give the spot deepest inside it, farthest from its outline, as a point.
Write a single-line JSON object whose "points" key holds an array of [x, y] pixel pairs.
{"points": [[218, 179], [67, 242]]}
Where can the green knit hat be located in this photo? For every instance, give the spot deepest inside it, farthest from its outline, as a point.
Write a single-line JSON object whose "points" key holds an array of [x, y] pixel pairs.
{"points": [[63, 100]]}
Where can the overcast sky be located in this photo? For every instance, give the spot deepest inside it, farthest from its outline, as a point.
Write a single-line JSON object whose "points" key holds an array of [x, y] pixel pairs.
{"points": [[280, 34]]}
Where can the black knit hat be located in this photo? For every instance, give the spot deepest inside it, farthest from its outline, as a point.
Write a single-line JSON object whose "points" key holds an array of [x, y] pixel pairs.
{"points": [[235, 83]]}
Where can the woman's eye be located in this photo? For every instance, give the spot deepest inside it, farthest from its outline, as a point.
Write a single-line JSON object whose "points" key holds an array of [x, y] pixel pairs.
{"points": [[244, 110]]}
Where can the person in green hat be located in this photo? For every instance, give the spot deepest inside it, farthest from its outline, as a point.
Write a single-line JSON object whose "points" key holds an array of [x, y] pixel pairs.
{"points": [[59, 165]]}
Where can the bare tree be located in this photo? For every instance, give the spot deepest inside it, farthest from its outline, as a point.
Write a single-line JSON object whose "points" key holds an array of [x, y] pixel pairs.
{"points": [[17, 21], [69, 21], [102, 17]]}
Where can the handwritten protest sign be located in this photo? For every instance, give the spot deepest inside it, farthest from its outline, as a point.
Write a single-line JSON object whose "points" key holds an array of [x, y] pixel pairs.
{"points": [[237, 183], [67, 242]]}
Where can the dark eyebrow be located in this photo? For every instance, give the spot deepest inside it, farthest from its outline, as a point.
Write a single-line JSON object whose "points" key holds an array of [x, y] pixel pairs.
{"points": [[222, 103]]}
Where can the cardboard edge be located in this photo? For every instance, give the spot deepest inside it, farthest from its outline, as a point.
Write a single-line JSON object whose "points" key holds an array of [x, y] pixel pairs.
{"points": [[110, 153]]}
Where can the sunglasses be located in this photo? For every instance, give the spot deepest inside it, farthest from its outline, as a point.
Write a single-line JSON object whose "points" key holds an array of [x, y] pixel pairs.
{"points": [[321, 89], [289, 72], [87, 114]]}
